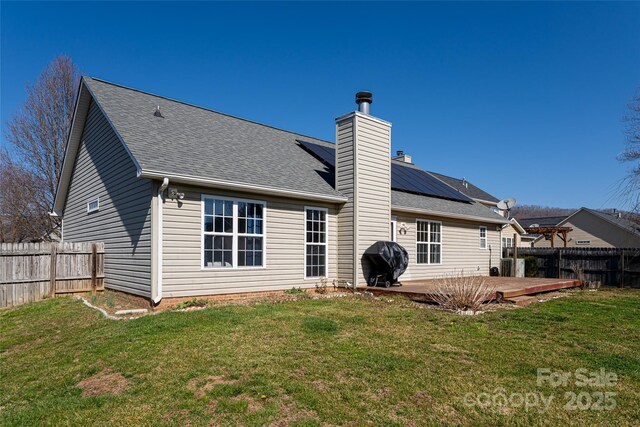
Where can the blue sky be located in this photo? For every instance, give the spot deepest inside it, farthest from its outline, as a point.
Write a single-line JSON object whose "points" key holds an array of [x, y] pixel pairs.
{"points": [[523, 99]]}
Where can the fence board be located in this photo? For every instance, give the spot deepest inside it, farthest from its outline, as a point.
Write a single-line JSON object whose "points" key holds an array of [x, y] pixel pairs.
{"points": [[609, 266], [28, 274]]}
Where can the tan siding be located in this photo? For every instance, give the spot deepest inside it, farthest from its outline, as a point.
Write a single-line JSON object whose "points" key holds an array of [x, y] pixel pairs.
{"points": [[600, 232], [285, 228], [374, 185], [345, 185], [104, 169], [460, 248]]}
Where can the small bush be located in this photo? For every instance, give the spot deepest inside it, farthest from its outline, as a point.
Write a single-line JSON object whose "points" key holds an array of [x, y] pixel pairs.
{"points": [[295, 291], [462, 293], [530, 266], [321, 286]]}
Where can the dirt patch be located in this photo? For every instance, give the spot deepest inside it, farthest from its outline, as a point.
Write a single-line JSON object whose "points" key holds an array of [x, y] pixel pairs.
{"points": [[105, 382], [447, 348], [320, 385], [292, 414], [200, 386]]}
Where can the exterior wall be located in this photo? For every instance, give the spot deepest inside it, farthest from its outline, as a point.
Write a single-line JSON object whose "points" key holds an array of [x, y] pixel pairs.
{"points": [[600, 232], [363, 174], [104, 169], [509, 231], [460, 248], [182, 274]]}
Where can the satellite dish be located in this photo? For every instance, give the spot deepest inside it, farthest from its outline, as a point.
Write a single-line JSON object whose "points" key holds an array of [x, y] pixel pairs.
{"points": [[506, 205]]}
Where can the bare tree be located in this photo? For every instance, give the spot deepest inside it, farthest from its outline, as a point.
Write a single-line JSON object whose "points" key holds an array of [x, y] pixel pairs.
{"points": [[631, 186], [37, 135]]}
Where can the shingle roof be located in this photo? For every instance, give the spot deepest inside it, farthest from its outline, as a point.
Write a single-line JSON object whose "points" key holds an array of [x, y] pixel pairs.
{"points": [[547, 221], [196, 142], [469, 189], [400, 199]]}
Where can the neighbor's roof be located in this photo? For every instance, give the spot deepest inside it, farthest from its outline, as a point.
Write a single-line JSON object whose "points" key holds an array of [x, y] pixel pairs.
{"points": [[623, 223], [469, 189], [547, 221]]}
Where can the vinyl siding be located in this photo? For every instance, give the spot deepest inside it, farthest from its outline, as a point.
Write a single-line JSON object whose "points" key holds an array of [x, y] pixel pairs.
{"points": [[345, 175], [285, 251], [460, 248], [104, 169], [600, 232], [373, 169]]}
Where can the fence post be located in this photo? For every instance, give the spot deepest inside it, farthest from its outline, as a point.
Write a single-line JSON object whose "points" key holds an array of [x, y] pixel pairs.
{"points": [[559, 263], [52, 269], [622, 269], [94, 267], [515, 257]]}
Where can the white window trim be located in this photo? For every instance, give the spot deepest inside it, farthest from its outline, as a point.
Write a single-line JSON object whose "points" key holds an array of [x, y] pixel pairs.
{"points": [[485, 238], [326, 241], [97, 208], [234, 235], [441, 243], [394, 229]]}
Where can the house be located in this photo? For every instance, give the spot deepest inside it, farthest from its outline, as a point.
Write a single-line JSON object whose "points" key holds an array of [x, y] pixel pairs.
{"points": [[590, 228], [189, 201]]}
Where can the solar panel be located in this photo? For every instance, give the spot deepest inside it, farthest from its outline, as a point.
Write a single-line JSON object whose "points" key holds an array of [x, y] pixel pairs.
{"points": [[325, 154], [403, 178]]}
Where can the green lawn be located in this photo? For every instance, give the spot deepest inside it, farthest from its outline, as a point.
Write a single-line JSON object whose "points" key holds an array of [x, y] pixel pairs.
{"points": [[341, 361]]}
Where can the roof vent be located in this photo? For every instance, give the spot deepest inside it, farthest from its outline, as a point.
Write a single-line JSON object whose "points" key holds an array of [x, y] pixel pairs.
{"points": [[157, 113], [364, 100]]}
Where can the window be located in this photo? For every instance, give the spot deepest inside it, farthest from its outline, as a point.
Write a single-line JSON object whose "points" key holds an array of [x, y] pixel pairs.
{"points": [[483, 237], [93, 205], [507, 242], [316, 242], [583, 242], [429, 242], [233, 233]]}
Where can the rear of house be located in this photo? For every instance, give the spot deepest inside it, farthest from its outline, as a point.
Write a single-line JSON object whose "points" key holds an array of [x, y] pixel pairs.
{"points": [[193, 202]]}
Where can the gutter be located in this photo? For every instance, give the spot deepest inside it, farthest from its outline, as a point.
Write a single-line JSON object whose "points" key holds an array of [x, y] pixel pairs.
{"points": [[156, 292], [188, 179], [449, 215]]}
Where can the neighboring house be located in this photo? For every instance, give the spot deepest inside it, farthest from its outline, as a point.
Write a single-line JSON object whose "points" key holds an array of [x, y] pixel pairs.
{"points": [[591, 228], [192, 202]]}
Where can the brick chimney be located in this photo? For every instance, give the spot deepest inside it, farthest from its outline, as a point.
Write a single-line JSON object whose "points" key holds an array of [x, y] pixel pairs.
{"points": [[363, 174]]}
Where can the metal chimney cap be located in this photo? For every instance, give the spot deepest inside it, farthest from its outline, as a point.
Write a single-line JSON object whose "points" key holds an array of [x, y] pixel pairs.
{"points": [[364, 97]]}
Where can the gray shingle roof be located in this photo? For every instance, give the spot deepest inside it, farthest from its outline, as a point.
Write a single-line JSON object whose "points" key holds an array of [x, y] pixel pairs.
{"points": [[547, 221], [205, 144], [469, 190], [400, 199]]}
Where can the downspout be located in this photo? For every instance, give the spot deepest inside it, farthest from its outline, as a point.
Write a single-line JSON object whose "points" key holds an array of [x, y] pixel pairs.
{"points": [[158, 229]]}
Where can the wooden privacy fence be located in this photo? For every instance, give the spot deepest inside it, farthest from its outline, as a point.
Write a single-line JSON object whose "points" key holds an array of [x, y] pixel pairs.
{"points": [[34, 271], [609, 266]]}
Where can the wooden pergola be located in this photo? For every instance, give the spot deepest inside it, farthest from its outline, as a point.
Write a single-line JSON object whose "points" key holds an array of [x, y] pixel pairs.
{"points": [[550, 232]]}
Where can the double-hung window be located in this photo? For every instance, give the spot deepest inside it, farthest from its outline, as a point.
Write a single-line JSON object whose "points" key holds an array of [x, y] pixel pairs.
{"points": [[483, 237], [315, 242], [233, 233], [429, 236]]}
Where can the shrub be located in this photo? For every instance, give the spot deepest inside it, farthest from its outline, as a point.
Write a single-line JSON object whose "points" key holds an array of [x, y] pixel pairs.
{"points": [[462, 293], [530, 266], [321, 286], [295, 291]]}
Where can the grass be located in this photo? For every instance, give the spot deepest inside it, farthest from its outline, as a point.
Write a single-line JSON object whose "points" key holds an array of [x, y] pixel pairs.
{"points": [[340, 361]]}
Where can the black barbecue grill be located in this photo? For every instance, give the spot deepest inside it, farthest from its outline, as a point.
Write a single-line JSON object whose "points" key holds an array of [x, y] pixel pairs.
{"points": [[387, 262]]}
